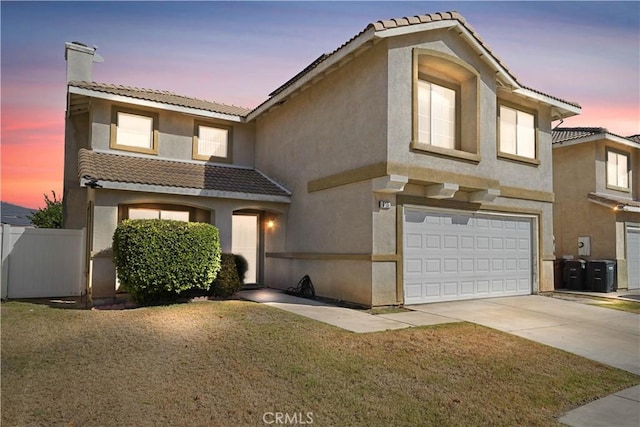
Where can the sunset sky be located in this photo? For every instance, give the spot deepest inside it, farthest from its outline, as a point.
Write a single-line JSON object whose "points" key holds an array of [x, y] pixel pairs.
{"points": [[238, 52]]}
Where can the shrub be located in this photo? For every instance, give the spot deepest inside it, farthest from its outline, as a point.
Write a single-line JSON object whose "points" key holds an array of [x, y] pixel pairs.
{"points": [[241, 266], [158, 259], [227, 282]]}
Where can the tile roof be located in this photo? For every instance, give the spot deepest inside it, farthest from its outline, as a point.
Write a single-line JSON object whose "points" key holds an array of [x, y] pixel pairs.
{"points": [[162, 96], [559, 135], [387, 24], [102, 166], [378, 26], [567, 134]]}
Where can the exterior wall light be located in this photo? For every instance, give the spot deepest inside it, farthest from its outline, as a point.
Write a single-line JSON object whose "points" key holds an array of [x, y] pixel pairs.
{"points": [[271, 224]]}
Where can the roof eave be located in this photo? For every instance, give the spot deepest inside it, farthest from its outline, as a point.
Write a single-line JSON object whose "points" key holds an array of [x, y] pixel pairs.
{"points": [[560, 109], [597, 137], [183, 191], [153, 104]]}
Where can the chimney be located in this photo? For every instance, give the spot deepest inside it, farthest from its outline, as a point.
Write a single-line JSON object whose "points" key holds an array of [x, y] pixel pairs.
{"points": [[80, 59]]}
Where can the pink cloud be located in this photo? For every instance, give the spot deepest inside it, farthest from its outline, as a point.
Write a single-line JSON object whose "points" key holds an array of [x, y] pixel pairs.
{"points": [[30, 169]]}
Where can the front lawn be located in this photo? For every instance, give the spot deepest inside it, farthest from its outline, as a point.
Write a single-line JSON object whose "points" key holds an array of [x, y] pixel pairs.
{"points": [[630, 306], [239, 363]]}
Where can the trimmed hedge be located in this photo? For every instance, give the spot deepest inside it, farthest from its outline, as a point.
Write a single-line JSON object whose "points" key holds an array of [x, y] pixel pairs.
{"points": [[227, 282], [242, 266], [158, 259]]}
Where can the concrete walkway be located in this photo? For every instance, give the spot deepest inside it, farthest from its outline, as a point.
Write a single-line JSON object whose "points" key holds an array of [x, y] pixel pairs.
{"points": [[346, 318], [605, 335]]}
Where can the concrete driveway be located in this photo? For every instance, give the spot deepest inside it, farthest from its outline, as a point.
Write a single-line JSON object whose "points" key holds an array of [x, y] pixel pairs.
{"points": [[608, 336]]}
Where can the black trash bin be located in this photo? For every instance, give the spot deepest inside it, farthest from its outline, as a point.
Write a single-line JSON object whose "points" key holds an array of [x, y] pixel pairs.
{"points": [[558, 273], [574, 274], [601, 276]]}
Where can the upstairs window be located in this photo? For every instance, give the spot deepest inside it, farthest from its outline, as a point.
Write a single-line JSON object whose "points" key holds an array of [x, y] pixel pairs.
{"points": [[617, 170], [445, 106], [134, 131], [436, 115], [211, 142], [517, 133]]}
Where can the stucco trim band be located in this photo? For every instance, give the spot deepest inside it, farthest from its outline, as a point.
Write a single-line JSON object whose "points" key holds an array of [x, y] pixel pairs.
{"points": [[526, 194], [364, 173], [335, 256]]}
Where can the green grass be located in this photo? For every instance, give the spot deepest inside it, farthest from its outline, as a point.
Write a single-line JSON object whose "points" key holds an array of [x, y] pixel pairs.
{"points": [[229, 362], [630, 306]]}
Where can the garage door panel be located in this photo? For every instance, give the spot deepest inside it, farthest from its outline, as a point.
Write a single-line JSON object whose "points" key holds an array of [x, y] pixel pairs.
{"points": [[465, 256], [482, 287], [413, 241], [414, 266], [466, 265], [433, 241], [524, 285], [467, 287], [482, 243]]}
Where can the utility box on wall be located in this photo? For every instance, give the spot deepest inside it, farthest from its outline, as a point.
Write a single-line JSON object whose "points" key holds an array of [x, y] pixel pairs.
{"points": [[584, 246]]}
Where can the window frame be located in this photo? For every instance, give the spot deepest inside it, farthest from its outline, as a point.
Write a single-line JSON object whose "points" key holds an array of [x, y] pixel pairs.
{"points": [[448, 71], [617, 153], [513, 156], [113, 142], [195, 214], [457, 106], [196, 131]]}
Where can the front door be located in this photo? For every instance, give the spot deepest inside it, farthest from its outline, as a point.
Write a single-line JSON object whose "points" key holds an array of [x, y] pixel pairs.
{"points": [[245, 241]]}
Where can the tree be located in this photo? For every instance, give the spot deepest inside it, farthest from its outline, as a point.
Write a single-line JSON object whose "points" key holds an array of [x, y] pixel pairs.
{"points": [[51, 215]]}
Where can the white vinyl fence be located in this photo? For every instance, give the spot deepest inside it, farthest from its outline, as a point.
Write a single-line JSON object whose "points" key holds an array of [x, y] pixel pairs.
{"points": [[42, 263]]}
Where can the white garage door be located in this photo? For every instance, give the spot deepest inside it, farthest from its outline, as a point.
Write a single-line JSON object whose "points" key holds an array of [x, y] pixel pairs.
{"points": [[633, 257], [453, 256]]}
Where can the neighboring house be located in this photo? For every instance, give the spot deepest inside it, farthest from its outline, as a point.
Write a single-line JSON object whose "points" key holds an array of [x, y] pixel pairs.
{"points": [[16, 215], [597, 206], [407, 166]]}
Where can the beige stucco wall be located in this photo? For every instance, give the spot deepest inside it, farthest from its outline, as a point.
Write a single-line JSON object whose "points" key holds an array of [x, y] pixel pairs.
{"points": [[509, 173], [175, 133], [74, 198], [336, 125], [175, 141], [579, 169], [361, 115], [574, 178]]}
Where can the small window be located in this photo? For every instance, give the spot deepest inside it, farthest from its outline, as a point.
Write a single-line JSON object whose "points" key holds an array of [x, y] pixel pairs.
{"points": [[436, 115], [163, 211], [143, 213], [211, 142], [134, 131], [617, 170], [517, 133]]}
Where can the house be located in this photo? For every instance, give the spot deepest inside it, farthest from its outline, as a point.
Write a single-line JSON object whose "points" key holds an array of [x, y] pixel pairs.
{"points": [[407, 166], [597, 206]]}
